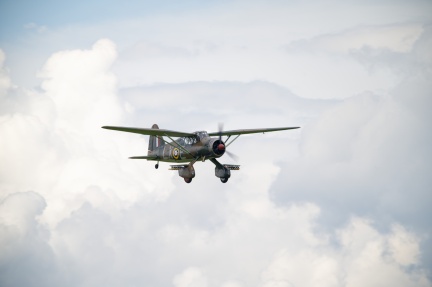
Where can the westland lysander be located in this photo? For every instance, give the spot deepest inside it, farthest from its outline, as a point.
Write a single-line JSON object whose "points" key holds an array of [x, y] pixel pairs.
{"points": [[191, 147]]}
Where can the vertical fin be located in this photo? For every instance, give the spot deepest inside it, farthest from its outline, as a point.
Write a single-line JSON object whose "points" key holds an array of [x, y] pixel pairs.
{"points": [[153, 143]]}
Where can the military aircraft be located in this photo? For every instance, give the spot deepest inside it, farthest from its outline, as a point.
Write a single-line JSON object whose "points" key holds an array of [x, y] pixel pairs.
{"points": [[191, 147]]}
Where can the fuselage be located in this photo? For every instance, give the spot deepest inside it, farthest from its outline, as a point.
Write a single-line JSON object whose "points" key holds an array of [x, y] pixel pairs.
{"points": [[187, 149]]}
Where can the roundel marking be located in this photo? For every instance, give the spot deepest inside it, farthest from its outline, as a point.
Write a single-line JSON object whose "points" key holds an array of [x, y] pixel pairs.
{"points": [[176, 153]]}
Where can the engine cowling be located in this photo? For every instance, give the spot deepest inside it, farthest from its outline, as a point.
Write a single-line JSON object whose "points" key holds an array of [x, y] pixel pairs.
{"points": [[218, 147]]}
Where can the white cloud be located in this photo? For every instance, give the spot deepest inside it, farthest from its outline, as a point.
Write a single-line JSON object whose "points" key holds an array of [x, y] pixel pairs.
{"points": [[96, 218], [191, 277], [325, 66], [364, 257], [5, 82], [36, 27], [403, 247], [281, 247], [52, 141], [397, 38], [81, 86], [369, 155], [368, 151], [19, 210], [31, 153], [24, 246], [244, 42]]}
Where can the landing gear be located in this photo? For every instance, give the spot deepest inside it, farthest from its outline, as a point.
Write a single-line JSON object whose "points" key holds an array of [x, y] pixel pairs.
{"points": [[224, 179], [187, 179], [156, 166]]}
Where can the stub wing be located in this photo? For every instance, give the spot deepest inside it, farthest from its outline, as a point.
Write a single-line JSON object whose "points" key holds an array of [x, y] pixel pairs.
{"points": [[232, 166], [250, 131], [144, 157], [150, 132]]}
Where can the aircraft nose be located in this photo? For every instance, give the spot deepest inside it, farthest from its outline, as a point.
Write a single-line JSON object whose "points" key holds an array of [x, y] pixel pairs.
{"points": [[221, 147]]}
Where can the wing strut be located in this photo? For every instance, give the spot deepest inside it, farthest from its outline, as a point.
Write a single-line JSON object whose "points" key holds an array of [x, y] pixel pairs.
{"points": [[227, 144], [176, 145]]}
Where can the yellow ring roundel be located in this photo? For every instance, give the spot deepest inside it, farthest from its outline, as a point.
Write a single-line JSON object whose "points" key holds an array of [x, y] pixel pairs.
{"points": [[176, 153]]}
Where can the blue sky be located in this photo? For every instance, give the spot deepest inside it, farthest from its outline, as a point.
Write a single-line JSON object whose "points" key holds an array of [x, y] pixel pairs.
{"points": [[16, 14], [343, 201]]}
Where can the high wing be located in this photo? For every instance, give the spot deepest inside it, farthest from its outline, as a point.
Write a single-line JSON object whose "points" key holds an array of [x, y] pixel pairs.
{"points": [[150, 132], [250, 131]]}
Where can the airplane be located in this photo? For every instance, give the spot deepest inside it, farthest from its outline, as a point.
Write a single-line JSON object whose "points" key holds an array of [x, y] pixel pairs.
{"points": [[191, 147]]}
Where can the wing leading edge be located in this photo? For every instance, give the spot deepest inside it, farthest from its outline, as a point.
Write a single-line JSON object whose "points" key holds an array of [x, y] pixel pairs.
{"points": [[250, 131], [171, 133], [150, 132]]}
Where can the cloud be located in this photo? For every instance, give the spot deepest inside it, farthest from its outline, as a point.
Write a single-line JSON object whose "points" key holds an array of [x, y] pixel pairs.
{"points": [[363, 257], [4, 78], [369, 156], [24, 243], [239, 42], [81, 86], [396, 38], [20, 209], [99, 218], [159, 246], [191, 277], [36, 27], [368, 151], [52, 141]]}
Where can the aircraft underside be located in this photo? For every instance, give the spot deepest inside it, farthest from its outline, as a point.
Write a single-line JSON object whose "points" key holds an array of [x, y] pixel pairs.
{"points": [[187, 171], [222, 171]]}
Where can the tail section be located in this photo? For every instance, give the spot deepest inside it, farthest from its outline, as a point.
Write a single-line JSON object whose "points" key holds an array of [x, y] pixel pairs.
{"points": [[154, 141]]}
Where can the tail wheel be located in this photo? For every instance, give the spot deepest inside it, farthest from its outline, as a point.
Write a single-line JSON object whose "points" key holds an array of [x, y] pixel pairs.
{"points": [[187, 179], [224, 179]]}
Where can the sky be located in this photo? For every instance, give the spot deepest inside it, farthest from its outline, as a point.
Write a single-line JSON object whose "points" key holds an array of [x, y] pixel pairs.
{"points": [[342, 201]]}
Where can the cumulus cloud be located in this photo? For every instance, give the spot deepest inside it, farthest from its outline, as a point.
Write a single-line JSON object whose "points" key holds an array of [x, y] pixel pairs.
{"points": [[363, 256], [416, 60], [148, 244], [191, 277], [24, 243], [342, 201], [4, 78], [81, 85], [52, 141], [369, 155], [20, 209], [368, 151]]}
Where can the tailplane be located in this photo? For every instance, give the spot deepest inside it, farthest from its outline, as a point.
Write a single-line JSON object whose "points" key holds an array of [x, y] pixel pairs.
{"points": [[154, 141]]}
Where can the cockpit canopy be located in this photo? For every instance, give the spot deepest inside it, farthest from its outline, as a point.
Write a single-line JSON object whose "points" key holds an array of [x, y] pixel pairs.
{"points": [[201, 135], [193, 139], [186, 140]]}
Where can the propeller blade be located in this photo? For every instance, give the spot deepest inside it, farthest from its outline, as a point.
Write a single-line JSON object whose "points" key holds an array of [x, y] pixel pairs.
{"points": [[231, 155], [220, 129], [222, 146]]}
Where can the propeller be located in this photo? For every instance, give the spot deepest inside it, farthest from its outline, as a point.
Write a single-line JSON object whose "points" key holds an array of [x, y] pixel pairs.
{"points": [[221, 146], [231, 155]]}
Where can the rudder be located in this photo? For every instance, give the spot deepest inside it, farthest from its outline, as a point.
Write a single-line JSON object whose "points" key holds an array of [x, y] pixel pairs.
{"points": [[154, 141]]}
